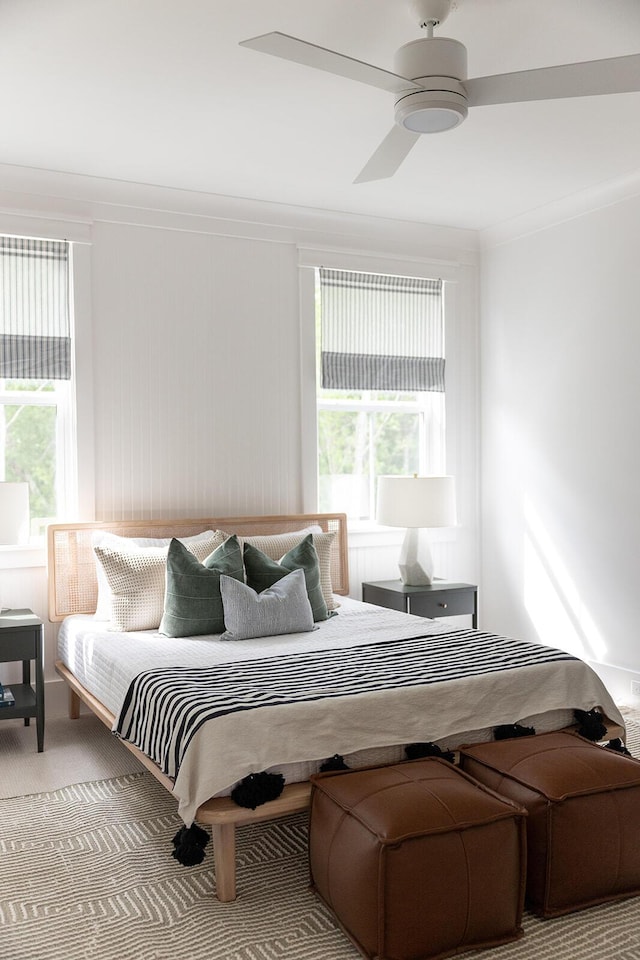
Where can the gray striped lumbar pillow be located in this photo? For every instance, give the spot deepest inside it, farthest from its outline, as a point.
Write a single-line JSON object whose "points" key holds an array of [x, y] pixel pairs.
{"points": [[281, 608]]}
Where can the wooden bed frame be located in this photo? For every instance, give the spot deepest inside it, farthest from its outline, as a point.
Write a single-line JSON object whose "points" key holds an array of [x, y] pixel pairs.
{"points": [[73, 589]]}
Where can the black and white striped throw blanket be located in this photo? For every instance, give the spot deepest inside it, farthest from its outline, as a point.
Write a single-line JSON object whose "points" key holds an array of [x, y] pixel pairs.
{"points": [[164, 709]]}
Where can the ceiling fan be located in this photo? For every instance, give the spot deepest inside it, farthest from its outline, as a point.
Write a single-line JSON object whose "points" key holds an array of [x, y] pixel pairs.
{"points": [[431, 87]]}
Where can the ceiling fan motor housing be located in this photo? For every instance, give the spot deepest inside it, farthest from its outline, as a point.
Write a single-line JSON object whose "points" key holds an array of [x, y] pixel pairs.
{"points": [[439, 65]]}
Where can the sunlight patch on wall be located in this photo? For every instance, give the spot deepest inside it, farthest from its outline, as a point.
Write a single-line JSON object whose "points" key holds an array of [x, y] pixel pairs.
{"points": [[551, 597]]}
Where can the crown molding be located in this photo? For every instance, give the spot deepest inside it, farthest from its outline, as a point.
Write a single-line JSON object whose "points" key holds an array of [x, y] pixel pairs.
{"points": [[48, 195], [550, 215]]}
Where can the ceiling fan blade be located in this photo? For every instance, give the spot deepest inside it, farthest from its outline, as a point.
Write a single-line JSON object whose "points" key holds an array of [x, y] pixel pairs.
{"points": [[389, 155], [310, 55], [588, 79]]}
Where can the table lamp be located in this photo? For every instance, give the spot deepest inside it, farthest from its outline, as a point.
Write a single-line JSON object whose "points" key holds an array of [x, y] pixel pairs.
{"points": [[14, 513], [416, 503]]}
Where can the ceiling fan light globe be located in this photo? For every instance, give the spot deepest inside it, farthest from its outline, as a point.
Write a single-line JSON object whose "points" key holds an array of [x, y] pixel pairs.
{"points": [[431, 111], [433, 120]]}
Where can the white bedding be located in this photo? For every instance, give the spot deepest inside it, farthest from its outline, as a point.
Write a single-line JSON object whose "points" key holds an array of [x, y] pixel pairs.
{"points": [[105, 663]]}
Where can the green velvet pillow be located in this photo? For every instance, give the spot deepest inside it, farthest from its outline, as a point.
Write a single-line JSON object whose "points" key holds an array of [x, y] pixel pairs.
{"points": [[263, 572], [192, 602]]}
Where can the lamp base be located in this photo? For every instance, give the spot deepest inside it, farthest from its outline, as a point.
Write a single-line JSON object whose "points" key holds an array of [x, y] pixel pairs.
{"points": [[416, 562]]}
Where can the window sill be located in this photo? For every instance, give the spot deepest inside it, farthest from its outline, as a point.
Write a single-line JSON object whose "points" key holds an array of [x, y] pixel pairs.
{"points": [[17, 557]]}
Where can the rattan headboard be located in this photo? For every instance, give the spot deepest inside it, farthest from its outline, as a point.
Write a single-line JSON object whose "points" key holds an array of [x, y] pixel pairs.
{"points": [[73, 587]]}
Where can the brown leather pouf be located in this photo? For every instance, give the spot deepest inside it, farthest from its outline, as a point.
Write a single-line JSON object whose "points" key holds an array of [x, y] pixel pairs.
{"points": [[583, 828], [416, 860]]}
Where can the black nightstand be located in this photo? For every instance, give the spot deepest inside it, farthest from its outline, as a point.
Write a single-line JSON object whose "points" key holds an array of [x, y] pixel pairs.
{"points": [[21, 638], [442, 598]]}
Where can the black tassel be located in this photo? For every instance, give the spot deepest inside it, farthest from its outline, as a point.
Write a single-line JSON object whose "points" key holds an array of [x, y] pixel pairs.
{"points": [[257, 788], [189, 843], [507, 731], [591, 725], [618, 746], [336, 762], [415, 751]]}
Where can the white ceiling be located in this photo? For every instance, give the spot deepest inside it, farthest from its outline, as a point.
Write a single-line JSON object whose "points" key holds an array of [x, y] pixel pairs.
{"points": [[159, 92]]}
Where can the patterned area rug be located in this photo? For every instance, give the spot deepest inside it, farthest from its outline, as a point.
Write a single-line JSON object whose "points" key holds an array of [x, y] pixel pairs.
{"points": [[87, 875]]}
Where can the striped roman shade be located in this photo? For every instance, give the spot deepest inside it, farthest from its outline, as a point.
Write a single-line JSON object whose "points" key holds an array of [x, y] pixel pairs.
{"points": [[35, 337], [381, 332]]}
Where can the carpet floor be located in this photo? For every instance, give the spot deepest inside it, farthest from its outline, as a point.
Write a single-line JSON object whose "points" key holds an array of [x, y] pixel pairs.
{"points": [[87, 875], [74, 751]]}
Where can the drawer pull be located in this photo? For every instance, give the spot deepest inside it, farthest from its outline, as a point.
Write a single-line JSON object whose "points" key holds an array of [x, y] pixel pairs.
{"points": [[443, 605]]}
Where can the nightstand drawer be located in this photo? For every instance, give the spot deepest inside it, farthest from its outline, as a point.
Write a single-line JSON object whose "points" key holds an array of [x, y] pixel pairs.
{"points": [[442, 598], [453, 603], [17, 646]]}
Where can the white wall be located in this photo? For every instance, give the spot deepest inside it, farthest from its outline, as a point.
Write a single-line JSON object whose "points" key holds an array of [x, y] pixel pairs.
{"points": [[560, 342], [194, 356], [196, 374]]}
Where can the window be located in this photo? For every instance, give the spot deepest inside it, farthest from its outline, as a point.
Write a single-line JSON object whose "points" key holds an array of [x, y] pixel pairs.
{"points": [[380, 399], [36, 409]]}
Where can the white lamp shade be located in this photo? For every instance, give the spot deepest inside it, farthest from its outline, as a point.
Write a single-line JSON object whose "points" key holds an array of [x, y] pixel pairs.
{"points": [[416, 502], [14, 513]]}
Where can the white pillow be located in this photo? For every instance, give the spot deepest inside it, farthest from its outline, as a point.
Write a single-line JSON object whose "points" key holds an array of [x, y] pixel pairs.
{"points": [[102, 538], [275, 545], [281, 608], [137, 578]]}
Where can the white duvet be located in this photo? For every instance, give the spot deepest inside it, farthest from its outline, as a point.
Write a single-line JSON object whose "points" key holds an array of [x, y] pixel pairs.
{"points": [[105, 663]]}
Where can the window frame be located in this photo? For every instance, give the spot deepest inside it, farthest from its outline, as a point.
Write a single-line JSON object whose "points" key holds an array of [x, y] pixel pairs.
{"points": [[74, 421], [427, 460], [60, 398], [431, 450], [460, 291]]}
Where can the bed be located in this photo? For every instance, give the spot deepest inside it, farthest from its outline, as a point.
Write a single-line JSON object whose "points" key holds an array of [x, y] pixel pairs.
{"points": [[361, 684]]}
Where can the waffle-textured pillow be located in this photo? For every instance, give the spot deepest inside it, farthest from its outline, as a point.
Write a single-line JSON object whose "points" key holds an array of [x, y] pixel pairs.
{"points": [[278, 544], [193, 604], [281, 608], [137, 582], [262, 572], [104, 538], [275, 544]]}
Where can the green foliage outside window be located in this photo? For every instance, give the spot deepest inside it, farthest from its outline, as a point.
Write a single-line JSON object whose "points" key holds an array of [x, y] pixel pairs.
{"points": [[352, 441], [29, 432], [355, 447]]}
